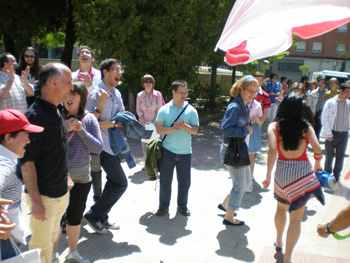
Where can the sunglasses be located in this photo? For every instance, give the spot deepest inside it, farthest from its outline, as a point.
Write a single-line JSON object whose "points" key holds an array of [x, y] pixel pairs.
{"points": [[148, 82], [29, 56]]}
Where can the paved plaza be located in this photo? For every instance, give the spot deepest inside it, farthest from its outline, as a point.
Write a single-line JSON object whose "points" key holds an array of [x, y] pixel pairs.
{"points": [[146, 238]]}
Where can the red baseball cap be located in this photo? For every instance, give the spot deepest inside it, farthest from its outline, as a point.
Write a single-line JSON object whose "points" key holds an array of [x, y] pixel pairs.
{"points": [[14, 120]]}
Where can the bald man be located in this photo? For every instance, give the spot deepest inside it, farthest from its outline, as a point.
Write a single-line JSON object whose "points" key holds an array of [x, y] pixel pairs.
{"points": [[45, 163]]}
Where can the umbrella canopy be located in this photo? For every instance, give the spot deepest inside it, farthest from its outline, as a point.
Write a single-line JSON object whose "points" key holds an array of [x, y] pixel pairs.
{"points": [[257, 29]]}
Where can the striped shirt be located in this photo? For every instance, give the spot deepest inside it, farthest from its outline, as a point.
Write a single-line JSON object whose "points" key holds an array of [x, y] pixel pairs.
{"points": [[84, 142], [10, 185], [264, 99], [16, 98], [113, 105], [342, 118]]}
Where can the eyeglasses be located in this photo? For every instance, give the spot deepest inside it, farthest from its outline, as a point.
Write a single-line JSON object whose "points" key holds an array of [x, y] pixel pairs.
{"points": [[25, 136], [29, 56], [85, 52], [182, 93], [252, 92], [117, 69], [148, 82]]}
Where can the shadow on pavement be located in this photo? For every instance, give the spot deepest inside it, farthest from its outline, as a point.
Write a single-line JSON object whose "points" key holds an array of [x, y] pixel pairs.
{"points": [[254, 198], [206, 146], [168, 229], [341, 190], [233, 243], [138, 177], [308, 213], [111, 249]]}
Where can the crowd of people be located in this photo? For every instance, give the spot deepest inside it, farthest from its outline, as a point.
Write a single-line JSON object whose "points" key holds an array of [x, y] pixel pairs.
{"points": [[65, 127]]}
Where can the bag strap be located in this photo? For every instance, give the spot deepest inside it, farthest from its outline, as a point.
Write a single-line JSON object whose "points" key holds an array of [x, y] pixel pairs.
{"points": [[176, 119], [243, 114], [15, 247], [72, 134]]}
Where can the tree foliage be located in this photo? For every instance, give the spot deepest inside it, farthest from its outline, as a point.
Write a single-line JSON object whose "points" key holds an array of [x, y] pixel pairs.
{"points": [[21, 20], [167, 39]]}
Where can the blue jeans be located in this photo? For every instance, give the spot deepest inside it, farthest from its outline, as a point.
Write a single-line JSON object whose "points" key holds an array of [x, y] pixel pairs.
{"points": [[7, 250], [182, 162], [241, 181], [114, 188]]}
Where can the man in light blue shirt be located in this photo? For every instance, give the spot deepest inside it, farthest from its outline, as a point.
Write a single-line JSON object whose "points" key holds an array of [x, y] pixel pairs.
{"points": [[176, 147]]}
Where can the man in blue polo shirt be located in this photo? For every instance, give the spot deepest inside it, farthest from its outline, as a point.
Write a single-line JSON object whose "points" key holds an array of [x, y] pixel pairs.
{"points": [[176, 147]]}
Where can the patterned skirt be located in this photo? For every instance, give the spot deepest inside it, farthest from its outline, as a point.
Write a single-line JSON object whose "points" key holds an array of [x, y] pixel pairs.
{"points": [[295, 183]]}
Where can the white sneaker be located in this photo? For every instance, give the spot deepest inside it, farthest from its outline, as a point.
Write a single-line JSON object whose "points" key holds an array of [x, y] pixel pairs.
{"points": [[250, 189], [75, 257]]}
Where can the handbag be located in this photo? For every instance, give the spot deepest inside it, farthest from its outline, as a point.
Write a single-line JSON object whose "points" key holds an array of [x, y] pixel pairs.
{"points": [[236, 154], [30, 256], [326, 180]]}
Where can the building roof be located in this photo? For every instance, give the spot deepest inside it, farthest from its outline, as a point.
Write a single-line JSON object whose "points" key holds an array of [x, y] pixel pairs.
{"points": [[331, 73]]}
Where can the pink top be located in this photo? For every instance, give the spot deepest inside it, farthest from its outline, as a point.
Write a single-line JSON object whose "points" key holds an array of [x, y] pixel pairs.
{"points": [[255, 109], [148, 106]]}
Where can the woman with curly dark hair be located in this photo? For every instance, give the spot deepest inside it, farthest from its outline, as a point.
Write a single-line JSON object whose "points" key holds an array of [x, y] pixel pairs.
{"points": [[30, 58], [295, 180]]}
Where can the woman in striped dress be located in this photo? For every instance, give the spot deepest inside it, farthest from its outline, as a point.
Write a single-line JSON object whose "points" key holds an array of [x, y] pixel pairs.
{"points": [[295, 180], [84, 137]]}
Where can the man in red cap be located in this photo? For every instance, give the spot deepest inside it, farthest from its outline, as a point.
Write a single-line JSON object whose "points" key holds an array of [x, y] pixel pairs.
{"points": [[14, 136]]}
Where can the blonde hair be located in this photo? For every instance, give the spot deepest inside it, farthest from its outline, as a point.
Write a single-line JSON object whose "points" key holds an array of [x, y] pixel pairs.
{"points": [[333, 80], [242, 83], [298, 86], [314, 82]]}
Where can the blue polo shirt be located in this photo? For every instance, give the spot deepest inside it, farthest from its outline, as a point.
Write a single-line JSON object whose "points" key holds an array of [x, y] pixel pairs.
{"points": [[274, 88], [178, 142]]}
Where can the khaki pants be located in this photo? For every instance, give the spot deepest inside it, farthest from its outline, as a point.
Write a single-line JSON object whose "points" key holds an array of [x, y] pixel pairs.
{"points": [[45, 233]]}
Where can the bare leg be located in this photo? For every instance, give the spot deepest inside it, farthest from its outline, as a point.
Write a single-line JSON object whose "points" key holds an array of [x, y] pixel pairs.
{"points": [[73, 233], [251, 158], [224, 203], [230, 216], [55, 244], [293, 232], [280, 222]]}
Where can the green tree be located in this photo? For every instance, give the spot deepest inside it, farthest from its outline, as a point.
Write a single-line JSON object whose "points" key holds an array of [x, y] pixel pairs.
{"points": [[24, 20], [155, 37], [21, 20]]}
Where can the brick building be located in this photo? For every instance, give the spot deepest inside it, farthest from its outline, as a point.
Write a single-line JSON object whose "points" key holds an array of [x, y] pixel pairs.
{"points": [[324, 52]]}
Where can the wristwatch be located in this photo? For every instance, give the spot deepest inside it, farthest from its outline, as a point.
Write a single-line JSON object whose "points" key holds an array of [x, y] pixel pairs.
{"points": [[98, 111], [326, 229]]}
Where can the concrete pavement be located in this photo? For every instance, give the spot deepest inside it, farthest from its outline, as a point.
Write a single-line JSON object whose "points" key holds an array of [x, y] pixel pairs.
{"points": [[144, 237]]}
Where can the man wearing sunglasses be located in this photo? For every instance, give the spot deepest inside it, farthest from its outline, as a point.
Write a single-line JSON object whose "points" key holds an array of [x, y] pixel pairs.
{"points": [[13, 89], [86, 73]]}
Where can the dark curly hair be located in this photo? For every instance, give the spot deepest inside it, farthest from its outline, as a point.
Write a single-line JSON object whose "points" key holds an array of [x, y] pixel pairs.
{"points": [[35, 70], [291, 123]]}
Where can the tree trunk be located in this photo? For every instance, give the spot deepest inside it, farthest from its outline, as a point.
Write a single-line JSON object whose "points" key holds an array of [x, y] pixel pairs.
{"points": [[132, 105], [70, 37], [10, 46], [233, 75], [212, 103]]}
